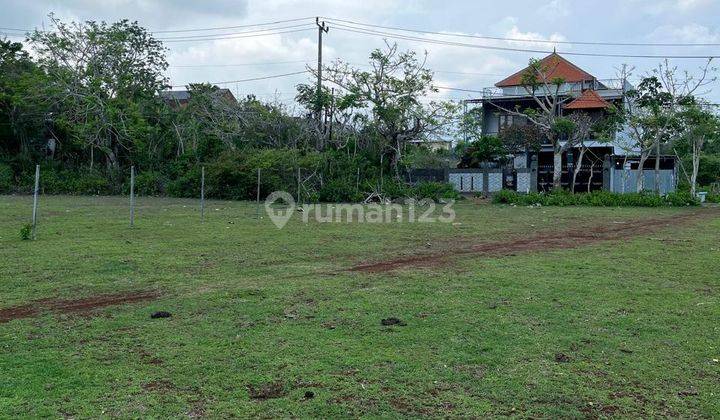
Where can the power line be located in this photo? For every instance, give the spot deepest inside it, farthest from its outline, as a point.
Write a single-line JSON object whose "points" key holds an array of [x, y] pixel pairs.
{"points": [[234, 27], [216, 28], [249, 80], [254, 35], [339, 21], [216, 37], [458, 89], [232, 33], [238, 64], [495, 38], [346, 28], [336, 58]]}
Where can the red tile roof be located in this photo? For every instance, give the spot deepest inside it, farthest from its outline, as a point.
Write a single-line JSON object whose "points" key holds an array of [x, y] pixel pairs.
{"points": [[588, 100], [555, 66]]}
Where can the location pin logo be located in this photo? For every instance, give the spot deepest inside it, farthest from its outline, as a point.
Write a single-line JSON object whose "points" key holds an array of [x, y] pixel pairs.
{"points": [[280, 217]]}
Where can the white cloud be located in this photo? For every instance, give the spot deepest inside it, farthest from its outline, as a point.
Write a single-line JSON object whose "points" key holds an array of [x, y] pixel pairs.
{"points": [[554, 9], [691, 4], [528, 38], [666, 6], [690, 33]]}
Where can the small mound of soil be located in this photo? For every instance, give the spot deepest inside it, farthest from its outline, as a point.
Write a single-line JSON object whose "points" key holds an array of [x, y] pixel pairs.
{"points": [[392, 321], [562, 358]]}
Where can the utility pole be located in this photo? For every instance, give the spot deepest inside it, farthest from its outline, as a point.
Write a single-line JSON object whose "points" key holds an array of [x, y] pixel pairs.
{"points": [[465, 107], [322, 28]]}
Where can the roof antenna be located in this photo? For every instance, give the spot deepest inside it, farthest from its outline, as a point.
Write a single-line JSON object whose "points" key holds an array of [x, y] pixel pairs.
{"points": [[554, 52]]}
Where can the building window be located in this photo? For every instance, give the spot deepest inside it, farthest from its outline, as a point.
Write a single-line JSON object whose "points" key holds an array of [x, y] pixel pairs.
{"points": [[507, 120]]}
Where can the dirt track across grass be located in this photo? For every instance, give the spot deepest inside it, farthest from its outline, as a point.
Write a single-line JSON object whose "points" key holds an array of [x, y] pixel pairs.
{"points": [[542, 241], [81, 305]]}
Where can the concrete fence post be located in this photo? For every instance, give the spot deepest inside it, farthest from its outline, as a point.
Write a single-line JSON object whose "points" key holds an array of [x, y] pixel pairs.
{"points": [[202, 195], [257, 207], [486, 180], [35, 201], [607, 178], [533, 173], [132, 196]]}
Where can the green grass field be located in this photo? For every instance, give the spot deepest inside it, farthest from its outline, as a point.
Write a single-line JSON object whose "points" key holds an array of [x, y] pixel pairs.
{"points": [[262, 316]]}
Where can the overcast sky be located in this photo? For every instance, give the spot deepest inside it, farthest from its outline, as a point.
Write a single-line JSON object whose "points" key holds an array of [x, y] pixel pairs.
{"points": [[658, 21]]}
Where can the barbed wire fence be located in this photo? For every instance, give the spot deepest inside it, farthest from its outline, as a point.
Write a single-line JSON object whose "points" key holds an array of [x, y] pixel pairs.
{"points": [[304, 184]]}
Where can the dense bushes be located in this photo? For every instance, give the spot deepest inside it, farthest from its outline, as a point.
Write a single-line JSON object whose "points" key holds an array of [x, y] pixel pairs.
{"points": [[66, 181], [436, 191], [712, 198], [709, 169], [6, 178], [339, 191], [596, 198], [149, 183]]}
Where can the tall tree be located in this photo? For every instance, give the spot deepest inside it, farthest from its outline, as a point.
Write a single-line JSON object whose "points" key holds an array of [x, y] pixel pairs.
{"points": [[102, 74], [651, 110], [22, 111], [388, 98], [699, 126]]}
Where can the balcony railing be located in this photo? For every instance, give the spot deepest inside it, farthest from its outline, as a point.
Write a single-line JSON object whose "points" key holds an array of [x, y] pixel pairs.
{"points": [[602, 86]]}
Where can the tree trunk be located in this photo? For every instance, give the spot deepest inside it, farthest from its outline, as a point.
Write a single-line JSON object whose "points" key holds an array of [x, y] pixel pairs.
{"points": [[696, 148], [592, 172], [578, 165], [657, 167], [557, 167], [693, 177], [640, 173]]}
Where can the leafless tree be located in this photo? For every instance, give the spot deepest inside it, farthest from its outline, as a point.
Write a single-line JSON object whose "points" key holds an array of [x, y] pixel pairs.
{"points": [[652, 109]]}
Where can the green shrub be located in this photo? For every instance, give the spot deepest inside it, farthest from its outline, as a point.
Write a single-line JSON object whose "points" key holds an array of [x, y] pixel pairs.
{"points": [[91, 183], [505, 197], [392, 189], [26, 232], [709, 169], [340, 191], [682, 198], [595, 198], [54, 180], [150, 183], [6, 178], [187, 183], [436, 191]]}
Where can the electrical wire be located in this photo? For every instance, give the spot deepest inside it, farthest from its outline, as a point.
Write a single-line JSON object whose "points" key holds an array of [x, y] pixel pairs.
{"points": [[233, 33], [312, 18], [254, 35], [496, 48], [239, 64], [216, 28], [494, 38], [249, 80], [458, 89]]}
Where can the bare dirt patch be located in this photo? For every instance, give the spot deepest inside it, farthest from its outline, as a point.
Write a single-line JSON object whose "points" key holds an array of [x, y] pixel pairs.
{"points": [[538, 241], [267, 391], [82, 305]]}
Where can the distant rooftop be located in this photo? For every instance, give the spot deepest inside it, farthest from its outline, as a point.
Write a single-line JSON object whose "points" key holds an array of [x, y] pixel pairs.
{"points": [[177, 95], [556, 67], [184, 95], [589, 99]]}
